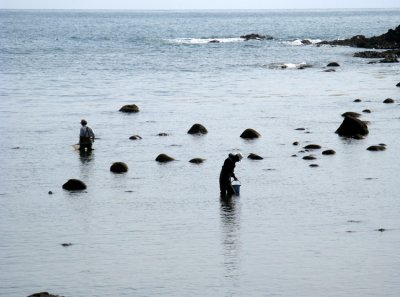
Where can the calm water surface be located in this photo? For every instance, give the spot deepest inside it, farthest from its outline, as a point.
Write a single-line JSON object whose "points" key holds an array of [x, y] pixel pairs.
{"points": [[162, 230]]}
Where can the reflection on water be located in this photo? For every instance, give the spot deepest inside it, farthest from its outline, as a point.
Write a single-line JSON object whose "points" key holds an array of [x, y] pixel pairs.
{"points": [[231, 243]]}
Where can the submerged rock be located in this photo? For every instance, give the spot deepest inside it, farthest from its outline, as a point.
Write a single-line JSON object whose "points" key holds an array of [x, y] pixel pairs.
{"points": [[74, 185], [197, 160], [367, 111], [313, 165], [312, 147], [254, 157], [119, 167], [398, 85], [333, 64], [352, 114], [352, 127], [43, 294], [197, 129], [376, 148], [389, 59], [310, 157], [295, 143], [250, 134], [357, 100], [388, 101], [330, 70], [131, 108], [66, 244], [162, 134], [328, 152], [135, 137], [214, 41], [306, 42], [163, 158]]}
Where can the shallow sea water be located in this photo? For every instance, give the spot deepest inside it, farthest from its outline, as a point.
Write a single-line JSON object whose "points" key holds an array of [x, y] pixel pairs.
{"points": [[162, 230]]}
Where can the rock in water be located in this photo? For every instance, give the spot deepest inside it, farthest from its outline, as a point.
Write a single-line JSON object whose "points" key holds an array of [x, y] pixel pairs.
{"points": [[328, 152], [135, 137], [376, 148], [398, 85], [74, 185], [43, 294], [388, 101], [250, 134], [352, 114], [352, 127], [197, 161], [197, 129], [312, 147], [119, 167], [131, 108], [333, 64], [254, 157], [163, 158], [254, 36]]}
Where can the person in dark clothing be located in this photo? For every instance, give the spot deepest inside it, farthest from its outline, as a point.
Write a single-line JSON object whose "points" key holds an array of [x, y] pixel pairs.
{"points": [[227, 172], [86, 137]]}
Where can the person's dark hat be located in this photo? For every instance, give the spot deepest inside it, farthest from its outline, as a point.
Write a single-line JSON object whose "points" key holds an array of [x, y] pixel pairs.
{"points": [[83, 122]]}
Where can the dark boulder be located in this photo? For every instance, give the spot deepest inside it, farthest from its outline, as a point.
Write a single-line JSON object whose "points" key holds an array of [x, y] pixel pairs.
{"points": [[306, 42], [295, 143], [370, 55], [131, 108], [366, 111], [163, 158], [310, 157], [352, 114], [357, 100], [74, 185], [312, 147], [313, 165], [250, 134], [330, 70], [214, 41], [43, 294], [162, 134], [398, 85], [352, 127], [328, 152], [197, 129], [254, 36], [333, 64], [135, 137], [254, 157], [376, 148], [388, 100], [119, 167], [197, 160]]}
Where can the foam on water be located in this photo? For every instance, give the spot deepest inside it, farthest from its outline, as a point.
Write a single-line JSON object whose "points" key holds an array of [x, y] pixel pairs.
{"points": [[205, 40]]}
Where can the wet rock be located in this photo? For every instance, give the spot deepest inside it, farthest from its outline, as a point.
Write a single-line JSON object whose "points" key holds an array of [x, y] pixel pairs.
{"points": [[66, 244], [352, 114], [306, 42], [381, 230], [197, 160], [313, 165], [398, 85], [163, 158], [135, 137], [312, 147], [250, 134], [162, 134], [357, 100], [254, 36], [366, 111], [50, 193], [388, 101], [119, 167], [294, 155], [214, 41], [370, 55], [300, 129], [390, 59], [295, 143], [74, 185], [376, 148], [43, 294], [328, 152], [308, 158], [333, 64], [330, 70], [352, 127], [131, 108], [197, 129], [389, 40], [254, 157]]}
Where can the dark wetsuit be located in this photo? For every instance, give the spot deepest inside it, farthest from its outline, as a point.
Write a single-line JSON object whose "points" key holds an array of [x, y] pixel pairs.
{"points": [[225, 176]]}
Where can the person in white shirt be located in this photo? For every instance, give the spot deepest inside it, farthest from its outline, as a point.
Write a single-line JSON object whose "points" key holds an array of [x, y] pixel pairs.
{"points": [[86, 137]]}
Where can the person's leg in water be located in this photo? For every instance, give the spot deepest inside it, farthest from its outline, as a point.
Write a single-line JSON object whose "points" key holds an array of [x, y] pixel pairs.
{"points": [[225, 186]]}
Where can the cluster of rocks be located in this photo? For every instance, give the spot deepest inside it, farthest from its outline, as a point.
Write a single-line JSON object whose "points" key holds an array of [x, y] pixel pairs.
{"points": [[389, 40], [254, 36]]}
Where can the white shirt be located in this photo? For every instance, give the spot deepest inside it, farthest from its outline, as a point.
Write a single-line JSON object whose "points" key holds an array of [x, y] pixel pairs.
{"points": [[86, 131]]}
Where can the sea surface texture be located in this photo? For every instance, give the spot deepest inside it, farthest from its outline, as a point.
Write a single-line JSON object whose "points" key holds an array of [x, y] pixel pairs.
{"points": [[162, 229]]}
